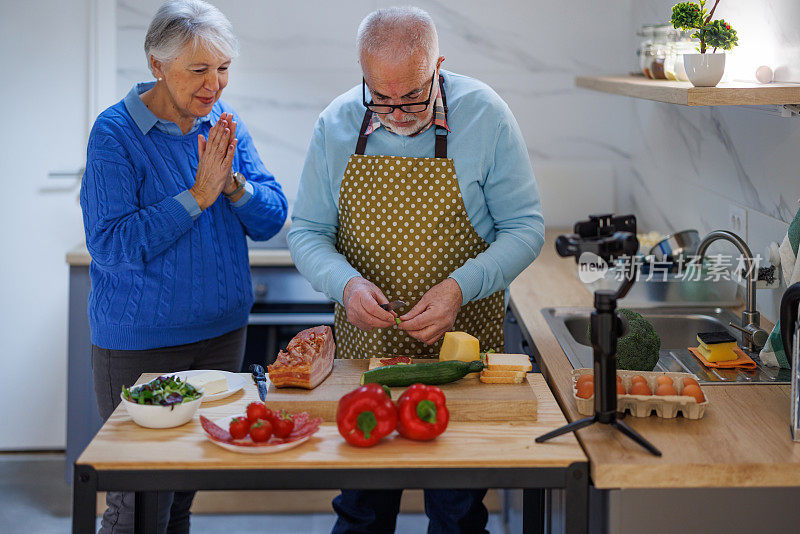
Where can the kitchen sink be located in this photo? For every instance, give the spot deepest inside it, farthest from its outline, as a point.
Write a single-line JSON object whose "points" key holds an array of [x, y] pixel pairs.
{"points": [[677, 328]]}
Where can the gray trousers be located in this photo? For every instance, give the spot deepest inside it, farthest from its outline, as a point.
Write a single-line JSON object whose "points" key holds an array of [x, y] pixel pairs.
{"points": [[112, 369]]}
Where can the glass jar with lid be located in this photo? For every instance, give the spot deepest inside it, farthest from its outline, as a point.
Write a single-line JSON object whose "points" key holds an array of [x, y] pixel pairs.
{"points": [[664, 35], [646, 33]]}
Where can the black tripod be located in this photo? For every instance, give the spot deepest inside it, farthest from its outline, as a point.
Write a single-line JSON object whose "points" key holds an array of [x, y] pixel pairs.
{"points": [[608, 237]]}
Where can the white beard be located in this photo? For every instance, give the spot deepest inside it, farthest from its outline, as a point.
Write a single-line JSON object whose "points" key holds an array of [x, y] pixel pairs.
{"points": [[406, 131]]}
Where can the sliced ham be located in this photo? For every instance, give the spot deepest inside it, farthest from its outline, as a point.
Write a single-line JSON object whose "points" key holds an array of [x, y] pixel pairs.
{"points": [[307, 360]]}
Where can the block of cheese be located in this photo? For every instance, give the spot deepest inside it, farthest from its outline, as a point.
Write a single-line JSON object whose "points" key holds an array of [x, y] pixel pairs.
{"points": [[508, 362], [717, 346], [460, 346], [512, 378], [212, 382]]}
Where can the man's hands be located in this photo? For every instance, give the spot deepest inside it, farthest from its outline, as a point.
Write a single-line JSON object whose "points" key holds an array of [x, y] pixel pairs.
{"points": [[435, 313], [215, 160], [361, 301]]}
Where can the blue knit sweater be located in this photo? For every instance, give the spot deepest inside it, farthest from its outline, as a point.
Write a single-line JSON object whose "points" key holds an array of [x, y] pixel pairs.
{"points": [[159, 277]]}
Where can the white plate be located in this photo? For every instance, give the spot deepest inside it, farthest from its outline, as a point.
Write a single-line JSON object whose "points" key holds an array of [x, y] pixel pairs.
{"points": [[225, 422], [235, 382]]}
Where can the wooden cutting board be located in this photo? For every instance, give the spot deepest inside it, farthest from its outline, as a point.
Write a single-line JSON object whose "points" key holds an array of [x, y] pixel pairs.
{"points": [[468, 399]]}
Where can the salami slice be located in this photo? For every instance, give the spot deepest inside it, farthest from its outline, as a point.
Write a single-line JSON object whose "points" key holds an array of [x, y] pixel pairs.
{"points": [[303, 427], [397, 360]]}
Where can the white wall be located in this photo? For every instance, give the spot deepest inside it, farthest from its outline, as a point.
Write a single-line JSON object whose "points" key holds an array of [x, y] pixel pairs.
{"points": [[44, 89], [297, 56]]}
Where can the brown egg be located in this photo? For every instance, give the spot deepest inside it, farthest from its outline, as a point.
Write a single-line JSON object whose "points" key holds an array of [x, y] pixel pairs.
{"points": [[620, 389], [689, 381], [666, 389], [664, 379], [638, 378], [640, 388], [585, 390], [693, 390], [585, 378]]}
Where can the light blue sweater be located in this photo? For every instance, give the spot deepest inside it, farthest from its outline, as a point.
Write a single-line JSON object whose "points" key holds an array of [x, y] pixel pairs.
{"points": [[164, 274], [493, 170]]}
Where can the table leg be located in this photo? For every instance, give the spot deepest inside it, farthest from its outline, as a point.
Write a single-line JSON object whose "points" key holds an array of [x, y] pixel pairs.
{"points": [[533, 511], [84, 500], [145, 519], [577, 497]]}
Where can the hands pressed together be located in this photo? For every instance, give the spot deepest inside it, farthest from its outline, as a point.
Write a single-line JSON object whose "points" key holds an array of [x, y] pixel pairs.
{"points": [[427, 321], [215, 162]]}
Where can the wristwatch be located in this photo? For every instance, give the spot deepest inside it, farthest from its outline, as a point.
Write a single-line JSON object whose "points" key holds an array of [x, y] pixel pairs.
{"points": [[239, 179]]}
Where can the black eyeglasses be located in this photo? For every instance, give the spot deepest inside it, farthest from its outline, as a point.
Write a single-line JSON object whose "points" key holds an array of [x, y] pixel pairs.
{"points": [[383, 109]]}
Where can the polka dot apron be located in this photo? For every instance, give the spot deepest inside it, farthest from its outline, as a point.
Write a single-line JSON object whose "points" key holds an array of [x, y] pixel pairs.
{"points": [[404, 227]]}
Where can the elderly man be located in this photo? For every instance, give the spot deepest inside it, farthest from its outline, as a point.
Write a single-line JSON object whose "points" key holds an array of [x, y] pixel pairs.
{"points": [[418, 187]]}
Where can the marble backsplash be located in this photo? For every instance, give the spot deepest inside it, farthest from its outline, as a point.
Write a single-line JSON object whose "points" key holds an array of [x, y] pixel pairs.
{"points": [[297, 56]]}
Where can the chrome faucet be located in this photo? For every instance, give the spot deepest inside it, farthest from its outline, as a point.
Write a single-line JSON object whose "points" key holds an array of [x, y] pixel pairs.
{"points": [[753, 335]]}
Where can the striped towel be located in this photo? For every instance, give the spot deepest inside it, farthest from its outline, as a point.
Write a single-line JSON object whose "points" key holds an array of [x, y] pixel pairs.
{"points": [[773, 354]]}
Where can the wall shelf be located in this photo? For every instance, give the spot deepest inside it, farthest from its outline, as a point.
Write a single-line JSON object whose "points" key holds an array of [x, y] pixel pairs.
{"points": [[683, 93]]}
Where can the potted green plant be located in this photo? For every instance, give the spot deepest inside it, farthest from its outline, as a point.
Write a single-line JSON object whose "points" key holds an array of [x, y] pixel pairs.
{"points": [[704, 69]]}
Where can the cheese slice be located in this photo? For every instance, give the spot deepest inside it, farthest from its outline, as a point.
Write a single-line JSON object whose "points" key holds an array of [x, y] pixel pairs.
{"points": [[508, 362], [212, 382]]}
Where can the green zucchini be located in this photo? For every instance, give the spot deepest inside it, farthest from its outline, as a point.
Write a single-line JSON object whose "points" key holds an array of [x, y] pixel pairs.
{"points": [[432, 373]]}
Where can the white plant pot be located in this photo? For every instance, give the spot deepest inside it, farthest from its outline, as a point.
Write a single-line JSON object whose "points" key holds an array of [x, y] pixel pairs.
{"points": [[704, 70]]}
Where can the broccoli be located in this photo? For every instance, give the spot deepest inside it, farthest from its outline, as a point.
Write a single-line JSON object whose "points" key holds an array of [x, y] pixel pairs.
{"points": [[638, 349]]}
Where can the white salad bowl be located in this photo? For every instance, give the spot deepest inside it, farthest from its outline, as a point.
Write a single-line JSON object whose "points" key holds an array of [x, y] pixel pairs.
{"points": [[158, 416]]}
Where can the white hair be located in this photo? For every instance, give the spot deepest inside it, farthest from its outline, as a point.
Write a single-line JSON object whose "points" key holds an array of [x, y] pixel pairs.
{"points": [[398, 32], [180, 22]]}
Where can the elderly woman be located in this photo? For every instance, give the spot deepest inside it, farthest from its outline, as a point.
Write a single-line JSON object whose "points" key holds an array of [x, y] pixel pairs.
{"points": [[173, 185]]}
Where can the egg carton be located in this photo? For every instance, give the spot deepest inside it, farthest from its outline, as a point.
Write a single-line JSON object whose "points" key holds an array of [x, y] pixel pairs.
{"points": [[666, 406]]}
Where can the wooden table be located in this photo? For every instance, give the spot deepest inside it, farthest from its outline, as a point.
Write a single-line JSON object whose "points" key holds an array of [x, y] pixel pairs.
{"points": [[742, 441], [126, 457]]}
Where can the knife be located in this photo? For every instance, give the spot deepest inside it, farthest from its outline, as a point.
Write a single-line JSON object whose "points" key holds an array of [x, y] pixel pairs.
{"points": [[260, 380], [392, 306]]}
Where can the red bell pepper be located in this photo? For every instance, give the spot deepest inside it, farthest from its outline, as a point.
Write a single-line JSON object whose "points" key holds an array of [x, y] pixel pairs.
{"points": [[423, 412], [366, 415]]}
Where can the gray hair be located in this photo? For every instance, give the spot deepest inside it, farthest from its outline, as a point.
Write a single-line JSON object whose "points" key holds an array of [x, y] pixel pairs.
{"points": [[398, 31], [180, 22]]}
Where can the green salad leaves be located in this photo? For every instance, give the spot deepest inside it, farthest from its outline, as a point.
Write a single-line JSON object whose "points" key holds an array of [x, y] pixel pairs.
{"points": [[164, 390]]}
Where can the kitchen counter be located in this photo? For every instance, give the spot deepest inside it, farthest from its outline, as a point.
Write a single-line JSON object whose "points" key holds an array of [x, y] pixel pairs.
{"points": [[467, 455], [742, 441], [259, 257]]}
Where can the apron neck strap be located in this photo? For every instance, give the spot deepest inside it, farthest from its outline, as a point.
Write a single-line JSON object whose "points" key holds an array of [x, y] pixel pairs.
{"points": [[440, 149], [361, 145]]}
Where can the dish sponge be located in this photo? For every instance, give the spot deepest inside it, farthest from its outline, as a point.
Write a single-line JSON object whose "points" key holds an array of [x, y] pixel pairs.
{"points": [[717, 346]]}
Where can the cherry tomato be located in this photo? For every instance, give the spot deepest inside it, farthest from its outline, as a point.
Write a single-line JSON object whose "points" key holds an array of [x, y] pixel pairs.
{"points": [[283, 424], [261, 430], [270, 416], [255, 411], [239, 428]]}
